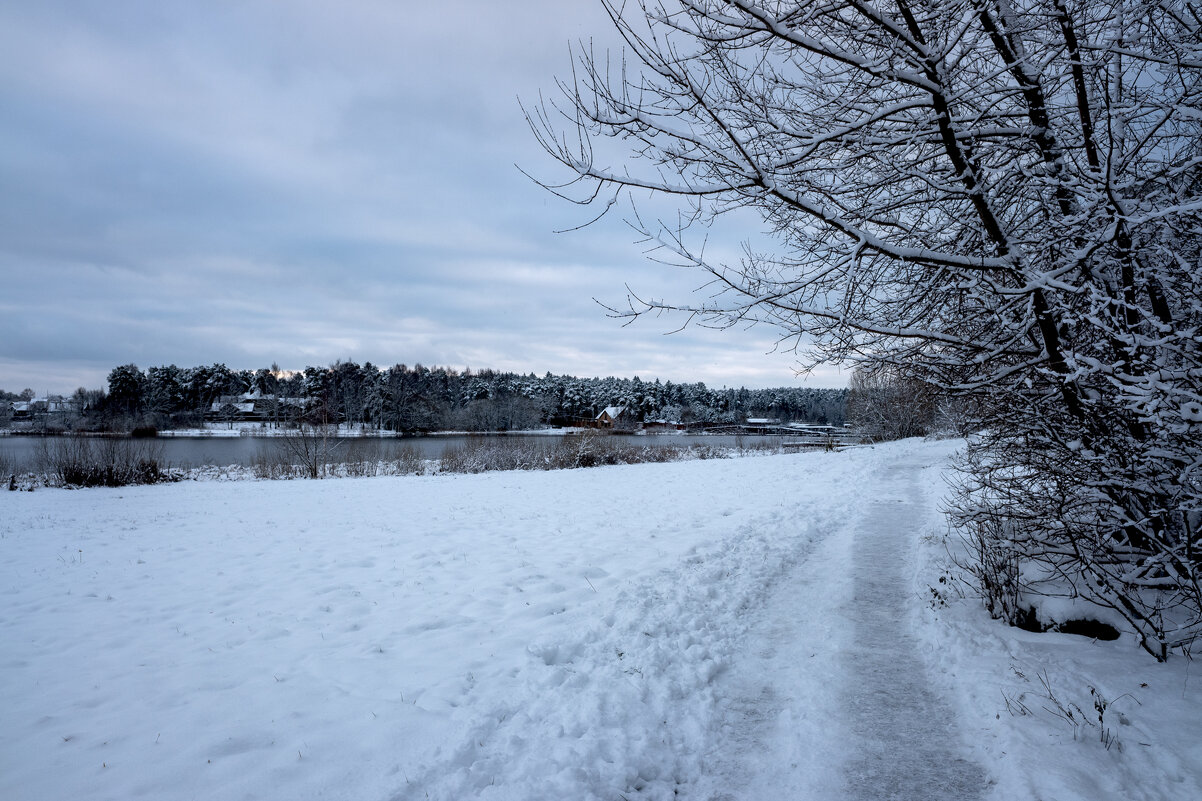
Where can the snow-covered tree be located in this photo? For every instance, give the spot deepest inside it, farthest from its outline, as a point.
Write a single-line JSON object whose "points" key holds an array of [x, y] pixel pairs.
{"points": [[887, 405], [999, 198], [165, 392], [126, 388]]}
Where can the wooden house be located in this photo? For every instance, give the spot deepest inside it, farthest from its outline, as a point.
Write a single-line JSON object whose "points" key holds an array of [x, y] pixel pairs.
{"points": [[612, 417]]}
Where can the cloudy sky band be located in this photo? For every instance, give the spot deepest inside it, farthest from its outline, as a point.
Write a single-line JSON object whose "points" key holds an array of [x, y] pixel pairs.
{"points": [[300, 182]]}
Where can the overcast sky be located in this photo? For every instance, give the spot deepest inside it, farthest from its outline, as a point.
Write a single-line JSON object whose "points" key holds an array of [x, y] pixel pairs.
{"points": [[298, 182]]}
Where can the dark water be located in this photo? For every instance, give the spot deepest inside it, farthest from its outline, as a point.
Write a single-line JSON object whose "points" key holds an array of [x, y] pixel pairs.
{"points": [[22, 452]]}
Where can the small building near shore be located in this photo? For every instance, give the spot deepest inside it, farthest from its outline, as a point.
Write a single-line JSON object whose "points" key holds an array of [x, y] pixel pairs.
{"points": [[39, 407], [252, 407], [613, 417]]}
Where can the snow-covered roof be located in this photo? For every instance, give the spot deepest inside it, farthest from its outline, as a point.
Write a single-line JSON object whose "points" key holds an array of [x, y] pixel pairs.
{"points": [[612, 411], [242, 407]]}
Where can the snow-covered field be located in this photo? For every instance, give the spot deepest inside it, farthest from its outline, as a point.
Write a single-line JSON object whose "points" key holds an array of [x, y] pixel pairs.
{"points": [[753, 628]]}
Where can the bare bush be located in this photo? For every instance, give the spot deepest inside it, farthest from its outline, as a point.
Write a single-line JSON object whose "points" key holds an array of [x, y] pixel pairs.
{"points": [[584, 450], [8, 465], [590, 449], [80, 461], [348, 458], [269, 462], [485, 454], [405, 462], [885, 405], [312, 447], [1040, 523], [356, 458]]}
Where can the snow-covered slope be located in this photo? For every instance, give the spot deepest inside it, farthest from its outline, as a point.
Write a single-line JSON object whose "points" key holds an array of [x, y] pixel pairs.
{"points": [[699, 630]]}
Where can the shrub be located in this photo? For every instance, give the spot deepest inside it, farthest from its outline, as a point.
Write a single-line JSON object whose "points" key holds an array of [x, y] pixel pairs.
{"points": [[406, 462], [311, 447], [483, 454], [80, 461], [280, 459], [8, 468]]}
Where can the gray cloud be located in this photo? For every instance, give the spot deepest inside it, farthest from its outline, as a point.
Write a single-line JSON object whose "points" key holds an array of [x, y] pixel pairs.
{"points": [[250, 182]]}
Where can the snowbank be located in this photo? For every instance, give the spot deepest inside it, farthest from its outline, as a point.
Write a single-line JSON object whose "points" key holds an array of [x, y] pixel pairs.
{"points": [[1058, 715]]}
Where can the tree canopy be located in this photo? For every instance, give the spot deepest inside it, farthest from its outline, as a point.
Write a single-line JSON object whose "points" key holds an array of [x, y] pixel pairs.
{"points": [[996, 198]]}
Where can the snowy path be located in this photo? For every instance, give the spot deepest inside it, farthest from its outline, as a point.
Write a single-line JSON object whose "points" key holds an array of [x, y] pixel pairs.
{"points": [[833, 702], [908, 741]]}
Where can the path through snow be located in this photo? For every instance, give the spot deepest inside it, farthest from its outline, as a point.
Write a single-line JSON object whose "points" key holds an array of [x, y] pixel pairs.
{"points": [[834, 700], [907, 738]]}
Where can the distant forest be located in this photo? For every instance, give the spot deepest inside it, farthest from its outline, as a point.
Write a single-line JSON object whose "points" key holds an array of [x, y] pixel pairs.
{"points": [[419, 399]]}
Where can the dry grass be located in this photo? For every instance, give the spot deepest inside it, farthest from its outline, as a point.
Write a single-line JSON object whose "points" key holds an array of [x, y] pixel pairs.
{"points": [[78, 461]]}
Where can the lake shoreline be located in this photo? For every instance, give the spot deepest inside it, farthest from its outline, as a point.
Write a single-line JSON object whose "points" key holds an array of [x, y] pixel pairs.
{"points": [[178, 455]]}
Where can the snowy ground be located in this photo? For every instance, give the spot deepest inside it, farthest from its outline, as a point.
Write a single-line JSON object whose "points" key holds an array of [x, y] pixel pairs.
{"points": [[732, 629]]}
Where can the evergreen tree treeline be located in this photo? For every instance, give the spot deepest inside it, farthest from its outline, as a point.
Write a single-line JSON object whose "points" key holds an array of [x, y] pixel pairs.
{"points": [[418, 398]]}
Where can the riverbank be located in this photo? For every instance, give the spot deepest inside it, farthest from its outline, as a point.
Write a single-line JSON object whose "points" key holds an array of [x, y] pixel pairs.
{"points": [[26, 454], [86, 461]]}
